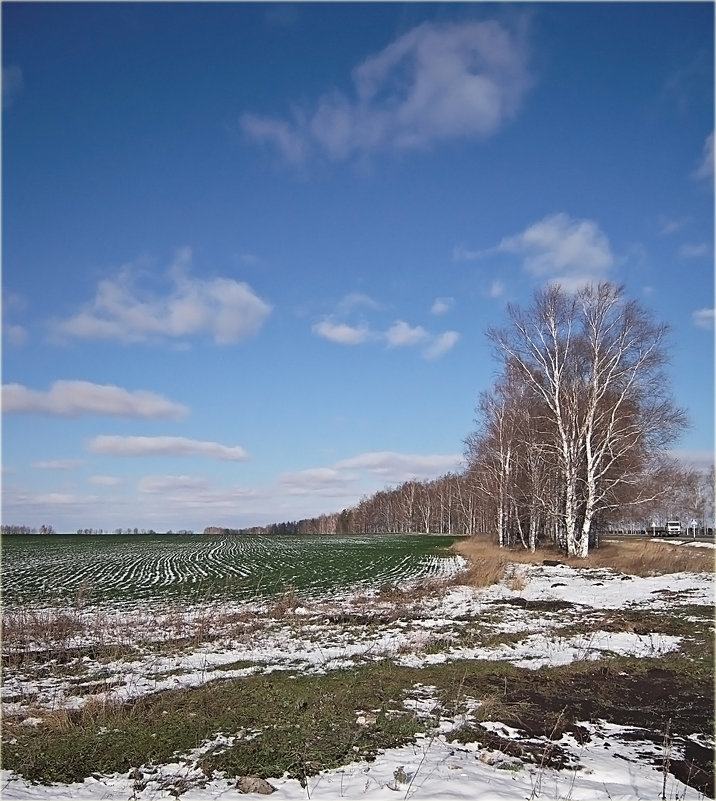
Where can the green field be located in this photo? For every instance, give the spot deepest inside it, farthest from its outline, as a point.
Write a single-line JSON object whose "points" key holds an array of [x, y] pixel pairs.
{"points": [[52, 570]]}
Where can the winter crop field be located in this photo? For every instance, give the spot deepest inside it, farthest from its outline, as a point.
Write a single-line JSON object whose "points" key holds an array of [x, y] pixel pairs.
{"points": [[52, 570]]}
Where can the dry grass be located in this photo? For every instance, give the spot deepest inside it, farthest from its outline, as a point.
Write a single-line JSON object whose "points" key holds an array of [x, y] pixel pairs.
{"points": [[494, 706], [649, 558], [516, 582], [489, 564]]}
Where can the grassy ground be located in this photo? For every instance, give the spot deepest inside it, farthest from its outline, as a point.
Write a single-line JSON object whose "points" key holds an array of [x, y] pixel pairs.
{"points": [[283, 722], [300, 725]]}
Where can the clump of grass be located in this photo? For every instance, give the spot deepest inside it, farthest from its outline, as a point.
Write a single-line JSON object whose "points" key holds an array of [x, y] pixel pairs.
{"points": [[44, 629], [494, 706], [516, 581], [489, 564], [284, 605]]}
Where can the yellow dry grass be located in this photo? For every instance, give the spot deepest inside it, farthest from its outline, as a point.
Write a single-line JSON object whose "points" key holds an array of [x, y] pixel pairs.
{"points": [[644, 557], [488, 564]]}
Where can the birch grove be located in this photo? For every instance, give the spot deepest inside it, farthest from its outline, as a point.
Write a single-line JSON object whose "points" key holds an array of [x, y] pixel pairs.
{"points": [[588, 369]]}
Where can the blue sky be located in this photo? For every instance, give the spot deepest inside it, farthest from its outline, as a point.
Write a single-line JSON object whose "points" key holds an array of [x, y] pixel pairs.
{"points": [[250, 251]]}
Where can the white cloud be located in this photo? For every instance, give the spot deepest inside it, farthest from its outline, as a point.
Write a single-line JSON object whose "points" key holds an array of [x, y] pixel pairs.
{"points": [[74, 398], [165, 446], [434, 83], [226, 309], [286, 138], [562, 250], [705, 170], [192, 494], [356, 299], [401, 335], [64, 499], [342, 333], [442, 305], [12, 84], [703, 318], [106, 481], [393, 467], [441, 345], [694, 250], [164, 484], [326, 481], [56, 464]]}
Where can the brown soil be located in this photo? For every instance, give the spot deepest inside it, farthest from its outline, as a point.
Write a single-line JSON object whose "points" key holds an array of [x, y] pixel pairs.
{"points": [[666, 707]]}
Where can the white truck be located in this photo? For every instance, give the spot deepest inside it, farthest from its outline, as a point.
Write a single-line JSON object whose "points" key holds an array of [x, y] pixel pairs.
{"points": [[673, 528]]}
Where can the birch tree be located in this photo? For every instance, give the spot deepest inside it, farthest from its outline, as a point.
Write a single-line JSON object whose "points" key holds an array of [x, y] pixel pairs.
{"points": [[593, 361]]}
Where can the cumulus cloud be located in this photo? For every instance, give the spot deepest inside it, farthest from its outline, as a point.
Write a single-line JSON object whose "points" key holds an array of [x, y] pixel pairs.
{"points": [[442, 305], [326, 481], [225, 309], [559, 246], [342, 333], [75, 398], [441, 345], [165, 446], [398, 335], [560, 249], [401, 335], [703, 318], [391, 466], [356, 299], [434, 83], [705, 170]]}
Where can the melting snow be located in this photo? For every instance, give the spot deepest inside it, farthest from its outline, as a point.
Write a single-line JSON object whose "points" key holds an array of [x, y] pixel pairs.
{"points": [[431, 768]]}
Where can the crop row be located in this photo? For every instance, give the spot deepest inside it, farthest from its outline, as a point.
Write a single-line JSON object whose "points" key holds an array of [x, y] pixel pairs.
{"points": [[93, 569]]}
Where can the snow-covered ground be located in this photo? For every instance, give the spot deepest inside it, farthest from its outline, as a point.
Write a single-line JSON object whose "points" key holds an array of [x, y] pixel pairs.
{"points": [[317, 639], [431, 768]]}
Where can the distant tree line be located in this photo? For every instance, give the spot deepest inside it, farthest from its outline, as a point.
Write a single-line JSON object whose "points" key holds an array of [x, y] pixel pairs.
{"points": [[27, 531], [571, 439], [24, 531]]}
